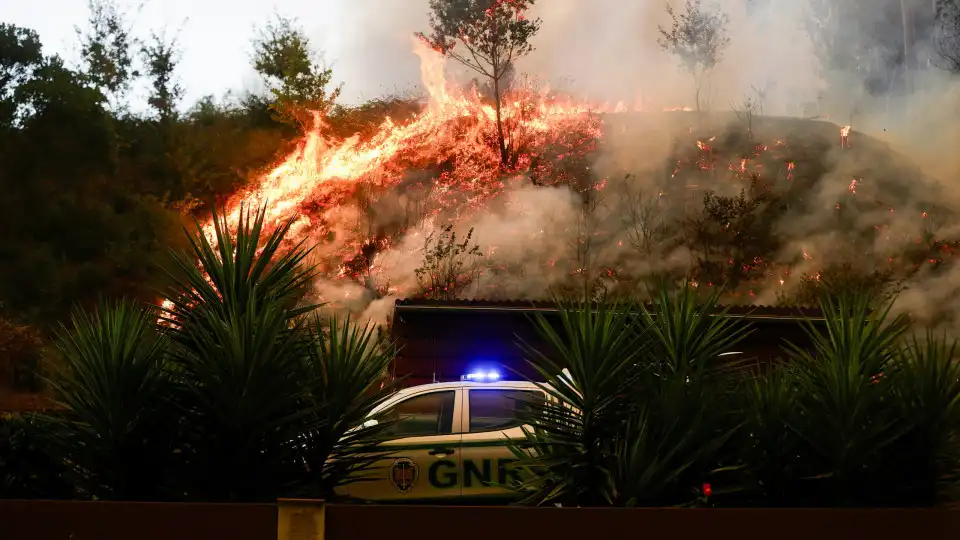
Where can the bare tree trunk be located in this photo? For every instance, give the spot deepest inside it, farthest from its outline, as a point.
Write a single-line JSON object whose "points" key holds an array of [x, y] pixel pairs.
{"points": [[501, 140]]}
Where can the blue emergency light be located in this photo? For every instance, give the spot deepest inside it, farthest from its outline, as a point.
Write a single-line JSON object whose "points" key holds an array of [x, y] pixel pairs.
{"points": [[481, 376]]}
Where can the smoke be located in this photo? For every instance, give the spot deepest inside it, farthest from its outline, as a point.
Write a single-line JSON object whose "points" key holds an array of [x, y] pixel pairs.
{"points": [[638, 214]]}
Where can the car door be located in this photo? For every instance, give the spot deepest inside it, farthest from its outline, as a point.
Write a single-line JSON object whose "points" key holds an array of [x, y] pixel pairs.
{"points": [[491, 423], [424, 451]]}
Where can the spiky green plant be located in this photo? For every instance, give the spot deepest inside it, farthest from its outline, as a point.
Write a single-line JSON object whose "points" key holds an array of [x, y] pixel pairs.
{"points": [[772, 473], [640, 415], [846, 413], [347, 369], [590, 363], [688, 333], [239, 348], [926, 383], [686, 412], [114, 433]]}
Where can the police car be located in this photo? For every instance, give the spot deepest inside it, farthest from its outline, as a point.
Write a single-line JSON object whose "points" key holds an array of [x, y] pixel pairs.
{"points": [[448, 441]]}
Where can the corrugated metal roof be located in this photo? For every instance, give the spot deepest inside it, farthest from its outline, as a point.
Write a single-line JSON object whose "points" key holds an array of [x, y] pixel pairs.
{"points": [[747, 311]]}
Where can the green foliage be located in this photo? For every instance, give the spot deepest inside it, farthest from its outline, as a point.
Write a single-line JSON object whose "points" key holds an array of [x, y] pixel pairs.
{"points": [[845, 416], [71, 228], [105, 46], [347, 378], [926, 386], [285, 60], [231, 397], [773, 474], [448, 267], [645, 412], [160, 58], [20, 55], [238, 351], [589, 365], [114, 432], [640, 415]]}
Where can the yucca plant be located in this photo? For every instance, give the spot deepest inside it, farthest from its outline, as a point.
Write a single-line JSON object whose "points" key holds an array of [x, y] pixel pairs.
{"points": [[687, 333], [846, 411], [926, 383], [239, 349], [771, 450], [346, 379], [686, 411], [114, 433], [591, 363]]}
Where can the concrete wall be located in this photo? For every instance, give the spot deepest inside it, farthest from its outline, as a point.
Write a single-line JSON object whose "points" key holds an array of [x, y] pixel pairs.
{"points": [[43, 520]]}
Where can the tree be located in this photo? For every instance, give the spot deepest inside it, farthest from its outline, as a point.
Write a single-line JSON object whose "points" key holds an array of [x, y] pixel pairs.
{"points": [[20, 55], [283, 57], [697, 37], [70, 228], [492, 35], [160, 58], [105, 47]]}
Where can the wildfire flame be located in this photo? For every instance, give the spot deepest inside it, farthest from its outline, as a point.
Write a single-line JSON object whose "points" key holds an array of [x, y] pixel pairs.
{"points": [[455, 132]]}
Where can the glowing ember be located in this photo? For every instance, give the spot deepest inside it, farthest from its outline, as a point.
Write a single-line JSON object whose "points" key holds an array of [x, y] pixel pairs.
{"points": [[845, 136]]}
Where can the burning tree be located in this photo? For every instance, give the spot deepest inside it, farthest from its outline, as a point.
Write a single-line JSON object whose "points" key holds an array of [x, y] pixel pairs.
{"points": [[284, 59], [492, 35], [697, 37]]}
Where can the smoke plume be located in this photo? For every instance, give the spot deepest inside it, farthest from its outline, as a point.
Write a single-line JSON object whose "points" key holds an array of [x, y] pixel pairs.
{"points": [[786, 80]]}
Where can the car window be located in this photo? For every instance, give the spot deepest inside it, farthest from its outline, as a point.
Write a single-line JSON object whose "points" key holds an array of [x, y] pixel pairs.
{"points": [[499, 409], [426, 414]]}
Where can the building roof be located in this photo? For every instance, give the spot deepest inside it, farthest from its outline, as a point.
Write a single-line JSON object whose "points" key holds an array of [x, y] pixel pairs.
{"points": [[408, 305]]}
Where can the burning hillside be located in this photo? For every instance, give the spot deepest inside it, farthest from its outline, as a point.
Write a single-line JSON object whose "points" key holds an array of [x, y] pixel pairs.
{"points": [[590, 201]]}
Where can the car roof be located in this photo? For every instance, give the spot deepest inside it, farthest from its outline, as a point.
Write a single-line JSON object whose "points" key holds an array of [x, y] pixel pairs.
{"points": [[464, 384], [413, 390]]}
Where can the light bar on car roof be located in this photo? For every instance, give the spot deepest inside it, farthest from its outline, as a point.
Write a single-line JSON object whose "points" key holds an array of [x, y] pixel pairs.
{"points": [[481, 376]]}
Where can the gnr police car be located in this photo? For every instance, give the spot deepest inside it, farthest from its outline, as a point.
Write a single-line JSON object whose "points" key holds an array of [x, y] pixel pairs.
{"points": [[448, 441]]}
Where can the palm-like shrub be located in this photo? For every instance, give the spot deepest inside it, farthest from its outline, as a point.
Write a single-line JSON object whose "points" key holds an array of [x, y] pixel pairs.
{"points": [[346, 379], [924, 464], [591, 365], [638, 417], [685, 411], [239, 349], [846, 413], [771, 453], [114, 433]]}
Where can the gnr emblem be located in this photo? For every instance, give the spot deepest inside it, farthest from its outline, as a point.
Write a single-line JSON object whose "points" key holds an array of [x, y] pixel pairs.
{"points": [[403, 474]]}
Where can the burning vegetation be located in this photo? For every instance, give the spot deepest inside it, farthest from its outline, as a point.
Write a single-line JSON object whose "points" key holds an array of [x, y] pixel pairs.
{"points": [[595, 198], [504, 187]]}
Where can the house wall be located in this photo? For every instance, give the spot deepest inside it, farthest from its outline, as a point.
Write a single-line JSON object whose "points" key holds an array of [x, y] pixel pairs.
{"points": [[443, 344]]}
